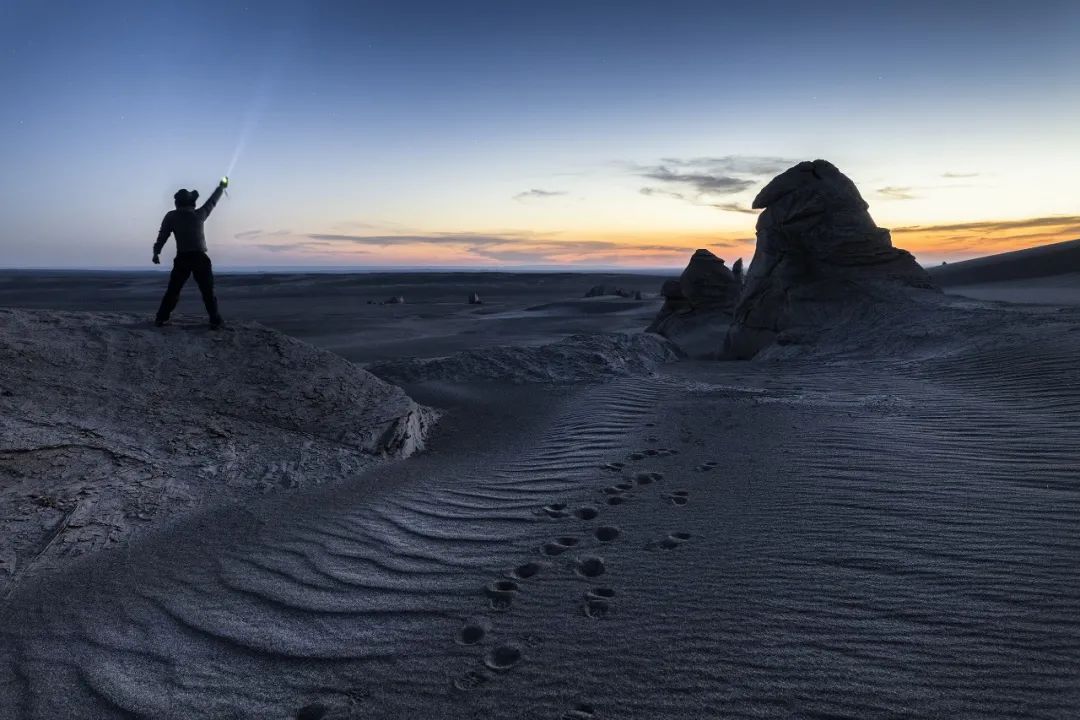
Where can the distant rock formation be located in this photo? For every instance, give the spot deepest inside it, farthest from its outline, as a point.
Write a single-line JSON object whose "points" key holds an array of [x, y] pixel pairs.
{"points": [[817, 247], [395, 300], [602, 290], [697, 307], [474, 299]]}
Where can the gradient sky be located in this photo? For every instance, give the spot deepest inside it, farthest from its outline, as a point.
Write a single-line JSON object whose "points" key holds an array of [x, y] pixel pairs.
{"points": [[485, 133]]}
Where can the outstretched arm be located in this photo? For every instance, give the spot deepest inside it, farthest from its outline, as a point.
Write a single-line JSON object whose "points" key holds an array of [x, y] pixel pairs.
{"points": [[211, 201], [163, 234]]}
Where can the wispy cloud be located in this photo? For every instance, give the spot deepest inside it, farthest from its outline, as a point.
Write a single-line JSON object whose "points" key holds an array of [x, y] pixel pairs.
{"points": [[521, 247], [956, 175], [536, 193], [248, 234], [987, 236], [897, 193], [995, 225], [701, 183], [298, 246], [702, 180]]}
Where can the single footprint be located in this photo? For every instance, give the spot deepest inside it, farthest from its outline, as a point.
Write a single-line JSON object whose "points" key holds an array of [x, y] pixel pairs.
{"points": [[526, 570], [625, 486], [613, 466], [678, 499], [616, 500], [314, 711], [652, 452], [471, 633], [558, 546], [471, 680], [606, 534], [596, 607], [645, 478], [555, 510], [581, 711], [637, 456], [673, 540], [501, 593], [586, 512], [590, 567], [613, 490], [502, 658]]}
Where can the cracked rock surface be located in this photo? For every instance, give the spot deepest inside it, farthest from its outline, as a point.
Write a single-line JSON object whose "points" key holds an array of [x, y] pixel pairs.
{"points": [[109, 425]]}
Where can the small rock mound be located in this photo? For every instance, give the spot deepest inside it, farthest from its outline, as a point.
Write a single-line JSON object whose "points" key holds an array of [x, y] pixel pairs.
{"points": [[604, 290], [697, 307], [578, 358], [474, 299], [395, 300], [817, 249]]}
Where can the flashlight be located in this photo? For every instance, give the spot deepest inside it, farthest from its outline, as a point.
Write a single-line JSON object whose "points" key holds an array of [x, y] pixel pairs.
{"points": [[225, 181]]}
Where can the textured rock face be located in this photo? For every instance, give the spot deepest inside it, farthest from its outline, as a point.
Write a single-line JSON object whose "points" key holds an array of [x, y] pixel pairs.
{"points": [[817, 247], [108, 424], [697, 307]]}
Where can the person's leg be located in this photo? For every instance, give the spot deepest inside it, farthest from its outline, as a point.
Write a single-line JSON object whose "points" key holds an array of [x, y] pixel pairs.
{"points": [[177, 278], [204, 276]]}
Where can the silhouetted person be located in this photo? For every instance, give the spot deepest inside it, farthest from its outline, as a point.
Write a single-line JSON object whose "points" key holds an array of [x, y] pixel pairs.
{"points": [[186, 223]]}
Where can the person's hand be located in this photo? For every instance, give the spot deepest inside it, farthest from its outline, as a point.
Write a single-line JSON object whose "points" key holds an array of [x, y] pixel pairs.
{"points": [[157, 260]]}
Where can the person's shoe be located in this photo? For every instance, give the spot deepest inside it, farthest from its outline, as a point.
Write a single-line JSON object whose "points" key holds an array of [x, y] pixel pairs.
{"points": [[160, 323]]}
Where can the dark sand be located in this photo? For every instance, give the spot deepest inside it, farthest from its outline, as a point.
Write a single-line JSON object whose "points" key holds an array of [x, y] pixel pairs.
{"points": [[871, 536], [333, 311]]}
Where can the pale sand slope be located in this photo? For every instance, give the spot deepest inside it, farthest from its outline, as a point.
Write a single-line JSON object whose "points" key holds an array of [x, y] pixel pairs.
{"points": [[1048, 274], [863, 530], [109, 425]]}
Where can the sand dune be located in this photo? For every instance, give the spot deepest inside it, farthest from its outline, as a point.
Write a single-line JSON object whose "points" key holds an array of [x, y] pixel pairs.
{"points": [[1038, 262], [578, 358]]}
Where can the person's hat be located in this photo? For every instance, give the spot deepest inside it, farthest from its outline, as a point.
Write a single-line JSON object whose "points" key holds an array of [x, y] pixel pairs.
{"points": [[184, 198]]}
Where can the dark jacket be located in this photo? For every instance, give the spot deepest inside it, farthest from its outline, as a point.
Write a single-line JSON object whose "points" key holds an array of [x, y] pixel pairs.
{"points": [[186, 223]]}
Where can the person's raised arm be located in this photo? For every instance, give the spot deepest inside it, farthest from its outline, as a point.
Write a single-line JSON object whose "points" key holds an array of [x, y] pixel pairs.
{"points": [[211, 201], [162, 236]]}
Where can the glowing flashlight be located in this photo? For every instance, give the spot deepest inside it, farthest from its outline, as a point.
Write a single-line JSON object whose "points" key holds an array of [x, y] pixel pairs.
{"points": [[225, 181]]}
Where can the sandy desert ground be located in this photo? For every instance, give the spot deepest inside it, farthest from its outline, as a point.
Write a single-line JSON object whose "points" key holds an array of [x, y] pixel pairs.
{"points": [[883, 524]]}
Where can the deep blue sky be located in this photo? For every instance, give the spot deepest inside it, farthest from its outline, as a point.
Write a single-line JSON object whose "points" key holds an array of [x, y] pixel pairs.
{"points": [[418, 131]]}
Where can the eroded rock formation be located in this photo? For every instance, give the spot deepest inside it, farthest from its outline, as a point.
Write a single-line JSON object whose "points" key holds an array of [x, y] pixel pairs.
{"points": [[817, 249], [697, 307]]}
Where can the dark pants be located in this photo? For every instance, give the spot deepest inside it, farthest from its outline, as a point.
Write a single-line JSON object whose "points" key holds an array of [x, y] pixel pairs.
{"points": [[186, 264]]}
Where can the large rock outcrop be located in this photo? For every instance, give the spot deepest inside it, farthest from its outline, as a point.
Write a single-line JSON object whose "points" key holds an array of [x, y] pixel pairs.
{"points": [[818, 250], [697, 307], [108, 425]]}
